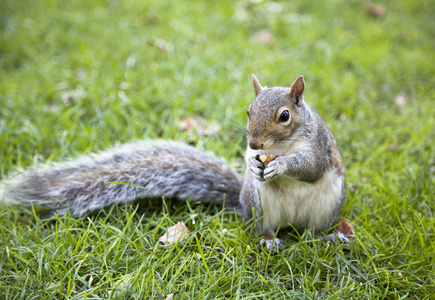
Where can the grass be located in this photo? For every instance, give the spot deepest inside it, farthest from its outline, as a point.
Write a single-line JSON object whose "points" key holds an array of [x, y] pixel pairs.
{"points": [[79, 76]]}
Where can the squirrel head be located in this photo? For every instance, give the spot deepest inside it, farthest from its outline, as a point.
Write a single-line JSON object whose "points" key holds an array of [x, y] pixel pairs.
{"points": [[275, 114]]}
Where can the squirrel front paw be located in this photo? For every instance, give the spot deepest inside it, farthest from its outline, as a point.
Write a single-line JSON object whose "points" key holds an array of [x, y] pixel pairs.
{"points": [[272, 170], [256, 167]]}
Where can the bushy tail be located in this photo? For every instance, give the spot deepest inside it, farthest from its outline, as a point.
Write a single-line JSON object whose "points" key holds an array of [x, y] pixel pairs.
{"points": [[89, 183]]}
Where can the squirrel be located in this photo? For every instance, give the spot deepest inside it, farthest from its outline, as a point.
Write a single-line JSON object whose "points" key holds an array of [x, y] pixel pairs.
{"points": [[303, 186]]}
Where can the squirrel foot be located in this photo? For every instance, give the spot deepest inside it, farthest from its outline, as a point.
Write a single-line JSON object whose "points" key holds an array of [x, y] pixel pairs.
{"points": [[271, 244], [343, 233], [337, 237]]}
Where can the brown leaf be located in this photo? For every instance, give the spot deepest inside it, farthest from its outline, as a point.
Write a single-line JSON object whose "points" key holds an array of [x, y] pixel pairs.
{"points": [[69, 96], [200, 125], [392, 147], [170, 296], [188, 123], [175, 233], [376, 10], [346, 227], [159, 44], [124, 85], [401, 99], [61, 86], [263, 37]]}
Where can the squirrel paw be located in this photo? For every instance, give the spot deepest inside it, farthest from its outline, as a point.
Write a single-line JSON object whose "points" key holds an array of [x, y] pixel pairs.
{"points": [[337, 237], [272, 170], [256, 167], [344, 233], [272, 245]]}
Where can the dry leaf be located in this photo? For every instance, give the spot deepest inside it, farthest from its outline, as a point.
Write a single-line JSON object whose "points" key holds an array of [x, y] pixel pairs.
{"points": [[187, 124], [62, 86], [175, 233], [401, 99], [376, 10], [69, 96], [200, 125], [159, 43], [392, 147], [211, 129], [346, 228], [124, 85], [264, 37], [170, 296]]}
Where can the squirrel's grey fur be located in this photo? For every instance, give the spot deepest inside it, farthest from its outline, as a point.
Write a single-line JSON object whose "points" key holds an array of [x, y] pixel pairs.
{"points": [[169, 169], [303, 186]]}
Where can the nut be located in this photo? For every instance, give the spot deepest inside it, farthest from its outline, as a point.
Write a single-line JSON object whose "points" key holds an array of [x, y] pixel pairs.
{"points": [[265, 159]]}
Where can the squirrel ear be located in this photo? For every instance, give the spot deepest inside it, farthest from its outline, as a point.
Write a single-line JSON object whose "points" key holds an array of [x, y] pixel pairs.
{"points": [[297, 89], [257, 85]]}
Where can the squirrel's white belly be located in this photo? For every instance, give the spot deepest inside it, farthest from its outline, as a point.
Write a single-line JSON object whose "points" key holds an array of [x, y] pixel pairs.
{"points": [[304, 205]]}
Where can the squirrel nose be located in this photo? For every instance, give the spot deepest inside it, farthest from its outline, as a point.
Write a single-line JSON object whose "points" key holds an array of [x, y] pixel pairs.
{"points": [[254, 145]]}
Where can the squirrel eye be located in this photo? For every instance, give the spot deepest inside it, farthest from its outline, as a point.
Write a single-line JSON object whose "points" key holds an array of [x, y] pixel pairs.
{"points": [[284, 117], [247, 112]]}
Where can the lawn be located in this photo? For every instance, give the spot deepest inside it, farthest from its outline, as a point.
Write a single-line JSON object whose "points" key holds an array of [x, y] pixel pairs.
{"points": [[80, 76]]}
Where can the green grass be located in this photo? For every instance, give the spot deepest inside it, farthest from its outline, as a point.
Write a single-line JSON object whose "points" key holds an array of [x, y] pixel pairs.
{"points": [[354, 65]]}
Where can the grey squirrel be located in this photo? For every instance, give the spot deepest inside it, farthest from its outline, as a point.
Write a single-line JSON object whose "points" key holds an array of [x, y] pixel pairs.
{"points": [[303, 186]]}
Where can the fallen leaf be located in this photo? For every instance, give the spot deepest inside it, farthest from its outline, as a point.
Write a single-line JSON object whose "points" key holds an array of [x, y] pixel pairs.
{"points": [[346, 227], [62, 86], [159, 44], [124, 85], [376, 10], [341, 117], [392, 147], [170, 296], [211, 129], [69, 96], [401, 99], [175, 233], [187, 124], [199, 125], [122, 284], [263, 37]]}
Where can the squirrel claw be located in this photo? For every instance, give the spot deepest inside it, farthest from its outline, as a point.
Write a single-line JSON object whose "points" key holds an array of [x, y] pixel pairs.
{"points": [[272, 245], [271, 171], [344, 233], [256, 167], [337, 237]]}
